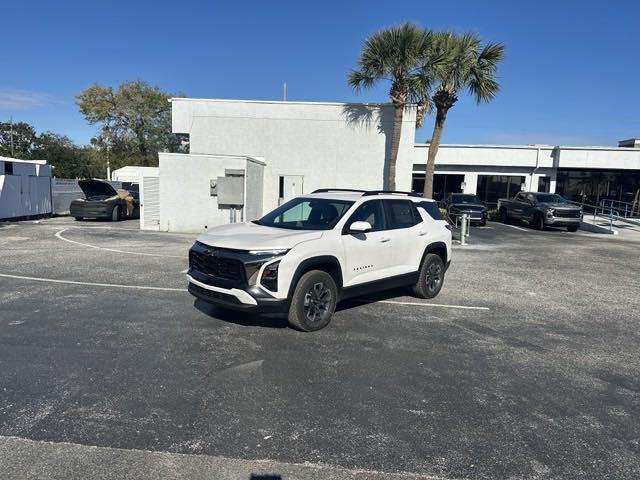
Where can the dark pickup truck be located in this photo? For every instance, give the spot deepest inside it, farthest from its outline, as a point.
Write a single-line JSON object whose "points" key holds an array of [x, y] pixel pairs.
{"points": [[541, 210]]}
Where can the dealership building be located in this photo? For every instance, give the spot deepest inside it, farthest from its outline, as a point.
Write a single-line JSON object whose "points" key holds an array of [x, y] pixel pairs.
{"points": [[245, 157]]}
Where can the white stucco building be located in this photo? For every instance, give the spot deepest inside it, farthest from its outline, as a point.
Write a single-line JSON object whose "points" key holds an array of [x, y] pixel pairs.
{"points": [[302, 146]]}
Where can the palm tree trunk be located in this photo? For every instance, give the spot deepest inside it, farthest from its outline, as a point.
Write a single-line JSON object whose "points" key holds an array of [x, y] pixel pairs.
{"points": [[441, 116], [395, 146]]}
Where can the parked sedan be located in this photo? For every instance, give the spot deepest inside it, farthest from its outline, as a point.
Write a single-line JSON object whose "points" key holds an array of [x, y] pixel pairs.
{"points": [[102, 200], [458, 203]]}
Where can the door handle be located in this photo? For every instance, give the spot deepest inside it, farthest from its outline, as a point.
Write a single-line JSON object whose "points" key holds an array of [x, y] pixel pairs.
{"points": [[422, 234], [384, 240]]}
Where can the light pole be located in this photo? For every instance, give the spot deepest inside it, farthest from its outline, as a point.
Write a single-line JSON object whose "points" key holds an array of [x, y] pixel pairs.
{"points": [[107, 137]]}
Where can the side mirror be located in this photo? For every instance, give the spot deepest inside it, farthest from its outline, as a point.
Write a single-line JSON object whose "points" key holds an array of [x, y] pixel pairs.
{"points": [[360, 227]]}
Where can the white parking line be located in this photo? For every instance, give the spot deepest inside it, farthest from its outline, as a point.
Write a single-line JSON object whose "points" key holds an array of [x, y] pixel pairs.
{"points": [[60, 237], [419, 304], [517, 228], [92, 284], [169, 289]]}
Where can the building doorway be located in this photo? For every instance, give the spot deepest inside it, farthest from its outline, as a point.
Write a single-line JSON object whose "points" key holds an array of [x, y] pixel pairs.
{"points": [[289, 186]]}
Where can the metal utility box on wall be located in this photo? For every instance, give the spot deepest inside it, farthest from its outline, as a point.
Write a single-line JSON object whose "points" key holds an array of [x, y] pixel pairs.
{"points": [[231, 191], [198, 192]]}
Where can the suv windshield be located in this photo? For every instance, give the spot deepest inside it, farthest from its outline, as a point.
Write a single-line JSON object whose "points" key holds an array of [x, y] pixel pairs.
{"points": [[550, 198], [465, 199], [306, 214]]}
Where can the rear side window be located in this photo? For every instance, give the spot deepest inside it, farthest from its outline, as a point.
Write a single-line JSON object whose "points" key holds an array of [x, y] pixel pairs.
{"points": [[432, 209], [401, 214], [8, 168]]}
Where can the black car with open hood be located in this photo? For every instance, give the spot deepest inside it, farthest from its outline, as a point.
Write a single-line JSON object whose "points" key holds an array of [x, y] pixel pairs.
{"points": [[103, 201]]}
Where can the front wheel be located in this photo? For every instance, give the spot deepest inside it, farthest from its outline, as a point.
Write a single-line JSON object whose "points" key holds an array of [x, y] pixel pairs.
{"points": [[313, 302], [538, 222], [431, 277], [115, 214], [573, 228], [78, 219]]}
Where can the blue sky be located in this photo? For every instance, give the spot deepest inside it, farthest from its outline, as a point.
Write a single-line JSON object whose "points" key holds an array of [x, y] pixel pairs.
{"points": [[570, 76]]}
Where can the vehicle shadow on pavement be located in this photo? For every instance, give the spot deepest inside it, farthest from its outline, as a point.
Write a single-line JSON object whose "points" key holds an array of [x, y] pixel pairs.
{"points": [[246, 319], [373, 298]]}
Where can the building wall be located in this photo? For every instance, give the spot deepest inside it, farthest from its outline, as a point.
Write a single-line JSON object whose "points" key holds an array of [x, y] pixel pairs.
{"points": [[329, 144], [133, 173], [186, 204], [27, 191]]}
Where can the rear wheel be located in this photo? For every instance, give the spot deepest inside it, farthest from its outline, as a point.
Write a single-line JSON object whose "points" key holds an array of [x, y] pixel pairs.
{"points": [[573, 228], [504, 215], [483, 223], [431, 277], [115, 214], [313, 302]]}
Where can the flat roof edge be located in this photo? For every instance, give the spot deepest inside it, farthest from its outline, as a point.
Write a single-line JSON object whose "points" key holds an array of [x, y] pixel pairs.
{"points": [[289, 102]]}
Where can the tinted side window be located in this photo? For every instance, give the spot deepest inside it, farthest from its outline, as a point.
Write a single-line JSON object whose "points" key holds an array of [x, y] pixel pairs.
{"points": [[432, 209], [8, 168], [400, 214], [372, 212]]}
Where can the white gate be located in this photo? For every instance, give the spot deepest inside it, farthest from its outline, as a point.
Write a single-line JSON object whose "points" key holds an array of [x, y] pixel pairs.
{"points": [[150, 203]]}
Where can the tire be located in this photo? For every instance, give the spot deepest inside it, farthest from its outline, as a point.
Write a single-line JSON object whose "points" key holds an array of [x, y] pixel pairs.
{"points": [[483, 223], [538, 222], [78, 219], [115, 214], [431, 277], [504, 215], [313, 302], [573, 228]]}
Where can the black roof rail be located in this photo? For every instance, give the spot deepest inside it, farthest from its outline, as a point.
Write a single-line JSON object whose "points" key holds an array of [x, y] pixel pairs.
{"points": [[325, 190], [386, 192]]}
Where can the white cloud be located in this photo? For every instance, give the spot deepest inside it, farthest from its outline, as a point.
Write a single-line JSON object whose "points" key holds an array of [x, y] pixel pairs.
{"points": [[17, 99]]}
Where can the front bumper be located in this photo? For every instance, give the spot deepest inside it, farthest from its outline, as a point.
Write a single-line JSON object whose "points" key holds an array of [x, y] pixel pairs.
{"points": [[252, 299], [561, 222]]}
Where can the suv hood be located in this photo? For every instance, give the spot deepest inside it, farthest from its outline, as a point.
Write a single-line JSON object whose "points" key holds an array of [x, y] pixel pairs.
{"points": [[564, 206], [249, 236], [96, 188]]}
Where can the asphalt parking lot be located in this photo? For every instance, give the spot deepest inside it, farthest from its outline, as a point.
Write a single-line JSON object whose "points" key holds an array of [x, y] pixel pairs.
{"points": [[525, 366]]}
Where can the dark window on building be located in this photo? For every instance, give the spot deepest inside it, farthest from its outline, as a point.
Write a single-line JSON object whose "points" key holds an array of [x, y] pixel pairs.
{"points": [[8, 168], [593, 186], [493, 187], [399, 214], [544, 184], [443, 184]]}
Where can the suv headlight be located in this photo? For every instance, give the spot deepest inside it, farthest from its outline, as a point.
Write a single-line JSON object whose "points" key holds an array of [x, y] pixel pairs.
{"points": [[549, 212], [252, 267]]}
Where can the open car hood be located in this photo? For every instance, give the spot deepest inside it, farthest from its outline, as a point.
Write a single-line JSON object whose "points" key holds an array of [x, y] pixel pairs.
{"points": [[95, 188]]}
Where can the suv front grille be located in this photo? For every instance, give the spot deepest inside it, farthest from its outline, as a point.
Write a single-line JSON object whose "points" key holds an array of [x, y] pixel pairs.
{"points": [[218, 264], [567, 213]]}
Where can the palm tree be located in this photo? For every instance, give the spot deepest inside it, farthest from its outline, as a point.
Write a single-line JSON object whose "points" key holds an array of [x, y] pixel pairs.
{"points": [[468, 65], [394, 55]]}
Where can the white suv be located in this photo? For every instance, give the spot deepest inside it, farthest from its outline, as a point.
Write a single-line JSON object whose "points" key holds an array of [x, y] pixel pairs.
{"points": [[315, 250]]}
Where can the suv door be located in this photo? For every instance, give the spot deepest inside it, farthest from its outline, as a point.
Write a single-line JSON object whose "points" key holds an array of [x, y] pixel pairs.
{"points": [[518, 206], [407, 232], [367, 255]]}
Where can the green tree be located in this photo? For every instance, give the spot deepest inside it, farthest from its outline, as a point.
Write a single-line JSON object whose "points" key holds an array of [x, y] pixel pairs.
{"points": [[466, 64], [394, 55], [134, 120], [68, 159], [17, 140]]}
